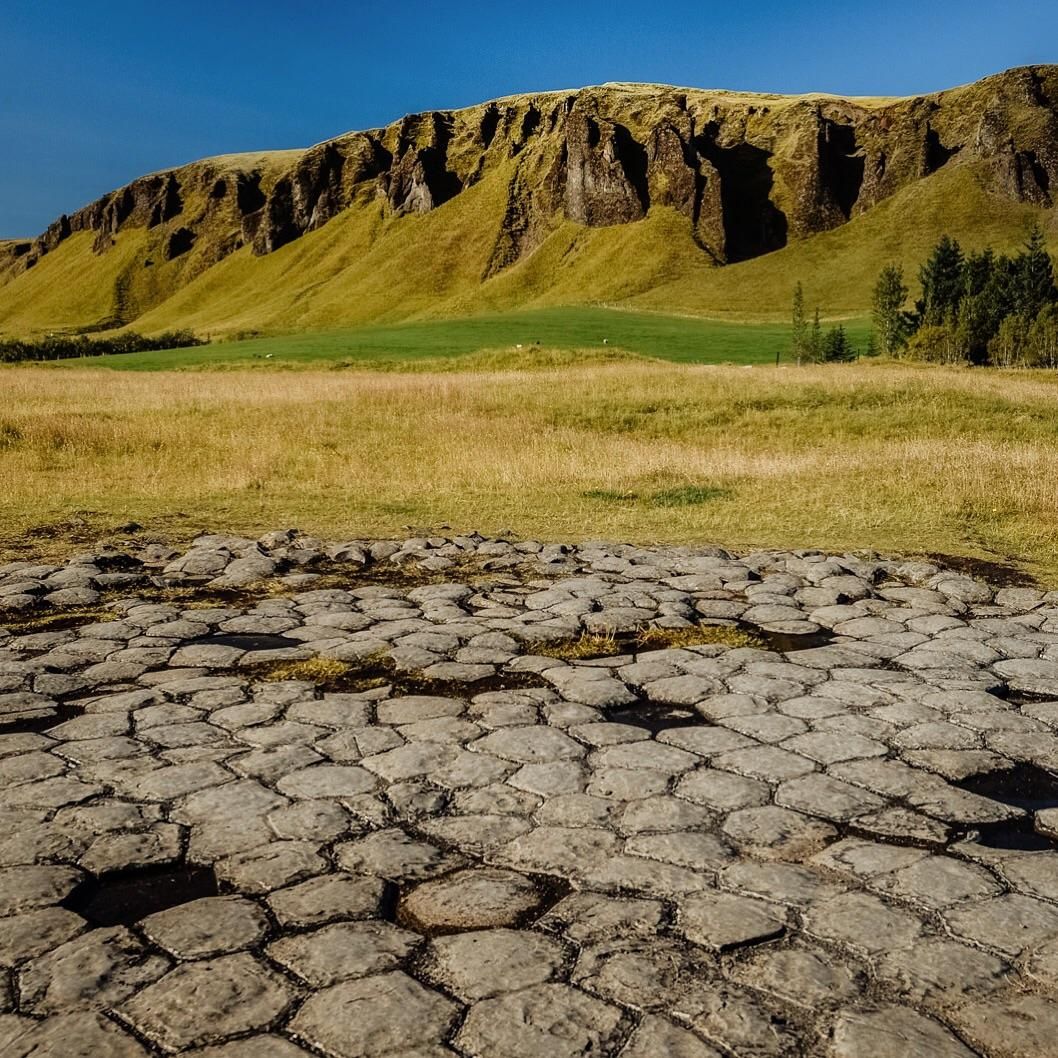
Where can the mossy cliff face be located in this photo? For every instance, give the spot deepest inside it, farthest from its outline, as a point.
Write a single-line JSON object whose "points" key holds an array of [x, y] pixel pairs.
{"points": [[749, 173]]}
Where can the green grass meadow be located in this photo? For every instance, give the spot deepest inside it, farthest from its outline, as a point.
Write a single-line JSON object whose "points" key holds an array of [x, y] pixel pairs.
{"points": [[674, 338]]}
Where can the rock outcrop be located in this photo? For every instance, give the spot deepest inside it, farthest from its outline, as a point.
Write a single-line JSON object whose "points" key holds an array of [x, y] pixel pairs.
{"points": [[749, 173]]}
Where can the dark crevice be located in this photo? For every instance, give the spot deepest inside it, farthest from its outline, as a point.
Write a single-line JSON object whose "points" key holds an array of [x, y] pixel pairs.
{"points": [[790, 642], [180, 241], [841, 164], [490, 121], [248, 194], [38, 723], [937, 155], [1022, 786], [753, 224], [125, 897], [247, 641], [1015, 835], [656, 716], [633, 158]]}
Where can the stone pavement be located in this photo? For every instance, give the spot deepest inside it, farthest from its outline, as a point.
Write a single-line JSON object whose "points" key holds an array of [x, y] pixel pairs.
{"points": [[470, 833]]}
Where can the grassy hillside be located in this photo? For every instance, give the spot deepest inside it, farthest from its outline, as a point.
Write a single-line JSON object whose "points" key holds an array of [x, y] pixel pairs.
{"points": [[675, 338], [361, 268]]}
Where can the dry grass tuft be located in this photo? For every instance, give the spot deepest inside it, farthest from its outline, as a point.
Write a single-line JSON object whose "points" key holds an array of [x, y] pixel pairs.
{"points": [[697, 636], [55, 620], [314, 670], [587, 646]]}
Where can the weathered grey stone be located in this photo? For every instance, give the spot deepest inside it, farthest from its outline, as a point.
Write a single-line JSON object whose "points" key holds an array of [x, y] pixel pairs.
{"points": [[475, 966], [862, 923], [805, 978], [392, 854], [33, 933], [343, 950], [544, 1021], [325, 899], [386, 1014], [209, 1001], [96, 970], [83, 1035], [720, 921], [210, 926], [893, 1032], [482, 898], [1009, 923]]}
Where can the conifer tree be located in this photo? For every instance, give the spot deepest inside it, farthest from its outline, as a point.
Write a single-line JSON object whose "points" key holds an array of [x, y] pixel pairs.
{"points": [[890, 293], [836, 346], [942, 283], [815, 339], [800, 324], [1034, 282]]}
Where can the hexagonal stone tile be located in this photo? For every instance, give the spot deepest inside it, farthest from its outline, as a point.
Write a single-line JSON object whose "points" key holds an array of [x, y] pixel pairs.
{"points": [[326, 780], [938, 882], [206, 1002], [209, 926], [863, 923], [893, 1032], [942, 973], [778, 832], [655, 1037], [545, 1021], [343, 950], [826, 797], [1010, 1024], [722, 791], [721, 921], [263, 1046], [333, 896], [588, 917], [272, 866], [36, 932], [392, 854], [805, 978], [486, 963], [530, 745], [478, 898], [388, 1014], [96, 970], [1009, 923], [69, 1036], [25, 888]]}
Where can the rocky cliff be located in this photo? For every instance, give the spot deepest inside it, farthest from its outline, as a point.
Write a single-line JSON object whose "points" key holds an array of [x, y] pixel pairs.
{"points": [[749, 173]]}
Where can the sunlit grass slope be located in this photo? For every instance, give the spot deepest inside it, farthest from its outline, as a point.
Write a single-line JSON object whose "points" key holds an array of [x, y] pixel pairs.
{"points": [[365, 267]]}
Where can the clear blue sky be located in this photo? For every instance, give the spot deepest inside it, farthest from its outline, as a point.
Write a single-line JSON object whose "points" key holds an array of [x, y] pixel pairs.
{"points": [[97, 92]]}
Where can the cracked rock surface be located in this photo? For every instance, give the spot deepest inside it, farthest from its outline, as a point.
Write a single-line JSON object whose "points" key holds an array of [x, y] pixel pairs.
{"points": [[465, 828]]}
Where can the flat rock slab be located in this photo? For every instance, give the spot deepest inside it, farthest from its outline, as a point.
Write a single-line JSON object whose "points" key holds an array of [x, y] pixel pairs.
{"points": [[492, 823]]}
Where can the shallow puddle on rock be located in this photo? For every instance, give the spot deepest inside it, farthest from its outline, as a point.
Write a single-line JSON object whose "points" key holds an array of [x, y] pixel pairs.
{"points": [[123, 898], [1023, 786], [656, 716]]}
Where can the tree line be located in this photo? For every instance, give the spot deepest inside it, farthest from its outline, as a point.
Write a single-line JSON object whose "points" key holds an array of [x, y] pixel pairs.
{"points": [[977, 308], [68, 346], [811, 343]]}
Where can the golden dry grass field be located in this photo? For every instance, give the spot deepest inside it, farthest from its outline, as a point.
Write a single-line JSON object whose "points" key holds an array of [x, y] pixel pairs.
{"points": [[887, 456]]}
